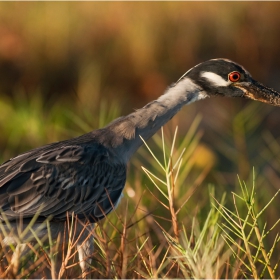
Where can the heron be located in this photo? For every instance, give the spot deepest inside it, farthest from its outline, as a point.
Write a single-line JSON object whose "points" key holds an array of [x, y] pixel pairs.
{"points": [[86, 175]]}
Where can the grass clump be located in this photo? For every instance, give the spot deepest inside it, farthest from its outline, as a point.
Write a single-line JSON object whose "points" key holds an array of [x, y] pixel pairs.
{"points": [[246, 233], [164, 231]]}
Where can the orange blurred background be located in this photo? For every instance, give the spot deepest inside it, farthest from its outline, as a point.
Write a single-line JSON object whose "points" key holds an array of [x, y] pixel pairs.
{"points": [[70, 67], [75, 55]]}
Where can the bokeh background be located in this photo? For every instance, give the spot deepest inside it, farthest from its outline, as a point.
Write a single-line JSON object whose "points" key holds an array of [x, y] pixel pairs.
{"points": [[70, 67]]}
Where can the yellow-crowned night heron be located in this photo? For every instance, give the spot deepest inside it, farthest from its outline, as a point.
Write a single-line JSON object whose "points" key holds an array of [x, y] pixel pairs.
{"points": [[86, 175]]}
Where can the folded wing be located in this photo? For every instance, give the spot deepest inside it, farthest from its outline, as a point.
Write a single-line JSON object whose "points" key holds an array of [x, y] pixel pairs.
{"points": [[86, 179]]}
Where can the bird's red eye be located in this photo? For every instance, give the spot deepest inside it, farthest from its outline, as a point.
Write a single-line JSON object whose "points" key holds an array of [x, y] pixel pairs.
{"points": [[234, 76]]}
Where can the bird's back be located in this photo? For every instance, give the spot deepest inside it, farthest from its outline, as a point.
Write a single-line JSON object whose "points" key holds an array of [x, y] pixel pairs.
{"points": [[79, 175]]}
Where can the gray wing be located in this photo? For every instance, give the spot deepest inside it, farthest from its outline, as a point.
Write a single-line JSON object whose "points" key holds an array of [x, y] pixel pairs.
{"points": [[85, 179]]}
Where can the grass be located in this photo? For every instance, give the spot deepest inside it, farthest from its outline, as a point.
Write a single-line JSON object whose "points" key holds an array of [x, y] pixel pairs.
{"points": [[223, 238], [174, 225], [171, 222], [252, 232]]}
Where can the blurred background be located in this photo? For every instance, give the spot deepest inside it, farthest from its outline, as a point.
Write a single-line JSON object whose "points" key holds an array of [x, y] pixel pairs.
{"points": [[70, 67]]}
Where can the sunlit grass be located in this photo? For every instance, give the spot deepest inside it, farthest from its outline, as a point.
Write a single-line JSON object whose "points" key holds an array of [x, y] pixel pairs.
{"points": [[167, 225], [26, 122], [137, 242], [246, 232], [88, 55]]}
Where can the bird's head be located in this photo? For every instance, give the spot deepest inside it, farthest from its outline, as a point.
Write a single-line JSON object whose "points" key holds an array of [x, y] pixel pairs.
{"points": [[226, 78]]}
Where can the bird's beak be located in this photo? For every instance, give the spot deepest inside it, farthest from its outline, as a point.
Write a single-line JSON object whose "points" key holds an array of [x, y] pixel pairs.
{"points": [[256, 91]]}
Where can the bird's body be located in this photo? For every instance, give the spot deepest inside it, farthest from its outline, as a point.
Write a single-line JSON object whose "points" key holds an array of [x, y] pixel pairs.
{"points": [[69, 176], [86, 175]]}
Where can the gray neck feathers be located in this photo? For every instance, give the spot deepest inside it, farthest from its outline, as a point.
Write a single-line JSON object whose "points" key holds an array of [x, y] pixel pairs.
{"points": [[123, 133]]}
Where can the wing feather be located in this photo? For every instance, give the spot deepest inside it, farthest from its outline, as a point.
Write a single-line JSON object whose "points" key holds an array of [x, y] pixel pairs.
{"points": [[86, 179]]}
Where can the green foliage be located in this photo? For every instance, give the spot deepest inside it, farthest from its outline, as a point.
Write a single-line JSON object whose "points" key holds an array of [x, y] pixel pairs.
{"points": [[246, 232], [169, 225], [181, 237], [26, 122], [91, 62]]}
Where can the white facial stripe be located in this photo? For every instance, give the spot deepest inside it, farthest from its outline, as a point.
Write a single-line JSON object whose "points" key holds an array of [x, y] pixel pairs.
{"points": [[215, 79]]}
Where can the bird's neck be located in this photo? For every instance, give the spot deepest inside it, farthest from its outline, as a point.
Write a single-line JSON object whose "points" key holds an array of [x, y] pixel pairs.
{"points": [[123, 133]]}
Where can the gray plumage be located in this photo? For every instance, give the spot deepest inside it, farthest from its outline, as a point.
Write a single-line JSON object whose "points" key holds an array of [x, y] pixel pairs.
{"points": [[75, 175], [86, 175]]}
